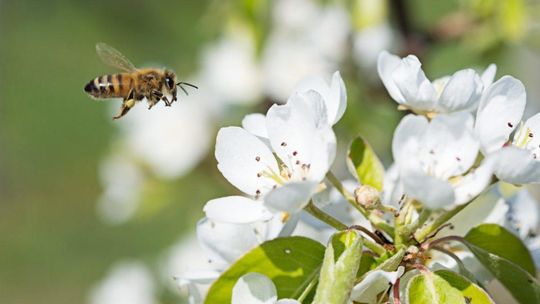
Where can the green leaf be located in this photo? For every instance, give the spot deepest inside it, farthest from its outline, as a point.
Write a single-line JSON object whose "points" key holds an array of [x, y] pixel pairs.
{"points": [[505, 256], [341, 263], [389, 264], [499, 241], [524, 287], [392, 263], [365, 164], [367, 263], [444, 287], [291, 263], [468, 289]]}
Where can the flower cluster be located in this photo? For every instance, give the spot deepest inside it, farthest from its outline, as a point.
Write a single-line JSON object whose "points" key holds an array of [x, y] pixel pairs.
{"points": [[464, 144], [445, 155]]}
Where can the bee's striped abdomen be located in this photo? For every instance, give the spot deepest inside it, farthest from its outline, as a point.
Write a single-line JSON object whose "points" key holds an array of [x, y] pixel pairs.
{"points": [[109, 86]]}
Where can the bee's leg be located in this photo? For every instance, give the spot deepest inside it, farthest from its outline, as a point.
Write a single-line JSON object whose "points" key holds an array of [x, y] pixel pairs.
{"points": [[167, 102], [154, 98], [152, 101], [174, 97], [127, 104]]}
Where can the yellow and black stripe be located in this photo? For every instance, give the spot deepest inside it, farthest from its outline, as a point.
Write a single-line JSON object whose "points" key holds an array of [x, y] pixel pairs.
{"points": [[109, 86]]}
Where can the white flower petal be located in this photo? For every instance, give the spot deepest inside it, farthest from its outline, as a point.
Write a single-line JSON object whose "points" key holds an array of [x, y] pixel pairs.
{"points": [[334, 95], [386, 64], [339, 102], [450, 145], [279, 227], [301, 137], [407, 138], [417, 90], [531, 130], [462, 92], [516, 166], [499, 112], [190, 290], [254, 288], [434, 193], [473, 183], [255, 124], [200, 276], [225, 243], [287, 301], [489, 75], [392, 186], [524, 214], [236, 210], [242, 157], [375, 282], [291, 197]]}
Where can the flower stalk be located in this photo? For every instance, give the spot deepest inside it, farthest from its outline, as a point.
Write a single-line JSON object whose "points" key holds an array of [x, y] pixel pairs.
{"points": [[421, 234], [324, 217]]}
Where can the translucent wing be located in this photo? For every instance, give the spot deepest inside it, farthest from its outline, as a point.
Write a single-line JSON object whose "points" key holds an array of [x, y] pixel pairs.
{"points": [[113, 57]]}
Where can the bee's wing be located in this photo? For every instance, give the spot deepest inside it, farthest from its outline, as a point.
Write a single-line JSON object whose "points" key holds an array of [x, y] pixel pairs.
{"points": [[113, 57]]}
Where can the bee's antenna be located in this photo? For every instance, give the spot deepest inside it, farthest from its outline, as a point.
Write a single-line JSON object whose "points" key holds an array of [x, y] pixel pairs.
{"points": [[188, 84]]}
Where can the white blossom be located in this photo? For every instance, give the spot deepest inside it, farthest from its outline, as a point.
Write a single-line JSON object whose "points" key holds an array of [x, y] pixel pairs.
{"points": [[408, 85], [299, 135], [433, 156], [498, 117]]}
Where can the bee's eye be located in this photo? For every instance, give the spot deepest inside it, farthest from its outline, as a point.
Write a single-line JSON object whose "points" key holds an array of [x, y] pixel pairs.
{"points": [[170, 82]]}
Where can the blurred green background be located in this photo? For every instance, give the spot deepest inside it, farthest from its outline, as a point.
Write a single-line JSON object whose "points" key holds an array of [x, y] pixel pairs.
{"points": [[53, 247], [53, 136]]}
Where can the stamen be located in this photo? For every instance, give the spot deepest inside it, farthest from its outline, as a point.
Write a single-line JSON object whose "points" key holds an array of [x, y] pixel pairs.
{"points": [[510, 125], [257, 158]]}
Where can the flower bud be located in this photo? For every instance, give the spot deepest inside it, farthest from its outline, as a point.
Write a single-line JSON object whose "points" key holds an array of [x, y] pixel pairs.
{"points": [[368, 197]]}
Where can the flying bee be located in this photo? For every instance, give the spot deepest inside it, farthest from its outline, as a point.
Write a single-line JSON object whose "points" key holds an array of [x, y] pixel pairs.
{"points": [[133, 85]]}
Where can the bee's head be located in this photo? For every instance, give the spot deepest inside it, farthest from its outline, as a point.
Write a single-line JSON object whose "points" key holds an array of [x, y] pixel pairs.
{"points": [[170, 80]]}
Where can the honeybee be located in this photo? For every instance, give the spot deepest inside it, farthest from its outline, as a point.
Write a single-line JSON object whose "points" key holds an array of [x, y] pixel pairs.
{"points": [[133, 85]]}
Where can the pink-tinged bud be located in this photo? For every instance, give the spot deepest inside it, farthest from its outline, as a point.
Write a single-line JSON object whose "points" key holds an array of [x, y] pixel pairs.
{"points": [[368, 197]]}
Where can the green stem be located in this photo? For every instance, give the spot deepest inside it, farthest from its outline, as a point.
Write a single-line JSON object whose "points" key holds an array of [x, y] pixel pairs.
{"points": [[375, 220], [308, 289], [376, 248], [422, 218], [401, 222], [321, 215], [328, 219], [421, 234]]}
